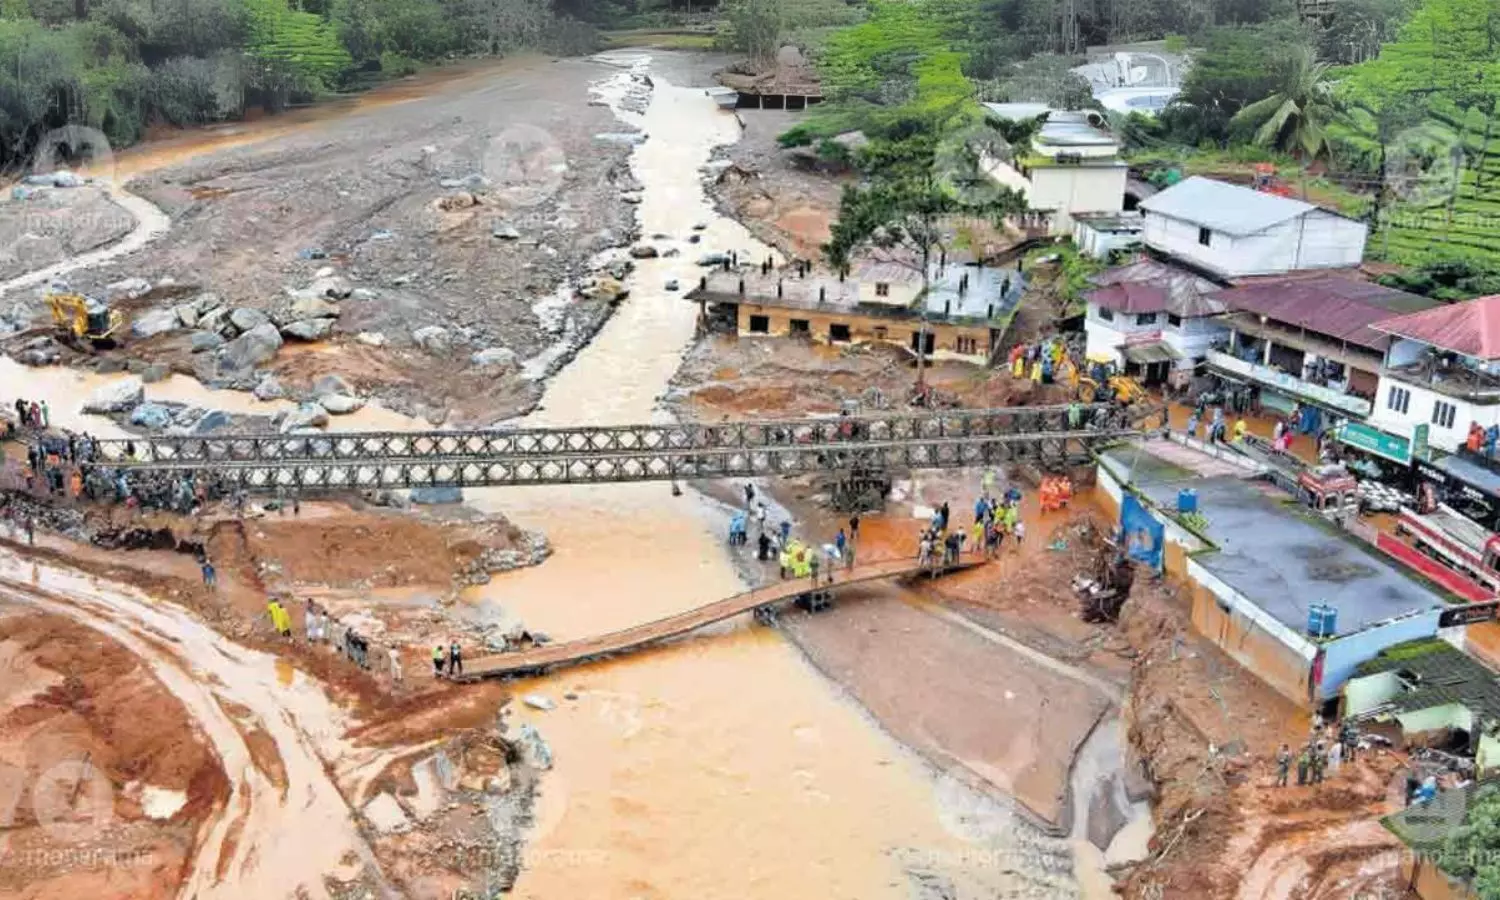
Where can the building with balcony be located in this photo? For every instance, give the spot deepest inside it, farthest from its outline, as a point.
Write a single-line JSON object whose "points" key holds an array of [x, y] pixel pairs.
{"points": [[1152, 319], [964, 309], [1309, 340], [1442, 369], [1232, 232], [1072, 166]]}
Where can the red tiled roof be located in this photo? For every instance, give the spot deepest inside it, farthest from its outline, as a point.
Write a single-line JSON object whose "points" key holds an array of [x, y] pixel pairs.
{"points": [[1130, 298], [1471, 328], [1338, 306]]}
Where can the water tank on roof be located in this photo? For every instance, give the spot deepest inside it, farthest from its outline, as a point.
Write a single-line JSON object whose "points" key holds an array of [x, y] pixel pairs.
{"points": [[1187, 500], [1322, 620]]}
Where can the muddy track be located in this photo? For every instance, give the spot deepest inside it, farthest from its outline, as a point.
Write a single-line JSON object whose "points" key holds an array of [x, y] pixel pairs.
{"points": [[150, 224], [286, 824]]}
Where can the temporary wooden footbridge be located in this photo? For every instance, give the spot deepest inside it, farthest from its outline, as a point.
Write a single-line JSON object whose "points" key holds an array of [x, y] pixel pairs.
{"points": [[1050, 436], [554, 656]]}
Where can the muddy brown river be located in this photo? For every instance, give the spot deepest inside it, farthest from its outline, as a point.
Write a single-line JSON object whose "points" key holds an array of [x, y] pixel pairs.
{"points": [[720, 766]]}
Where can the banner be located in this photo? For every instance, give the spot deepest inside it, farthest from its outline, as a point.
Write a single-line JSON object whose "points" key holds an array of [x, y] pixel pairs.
{"points": [[1144, 536]]}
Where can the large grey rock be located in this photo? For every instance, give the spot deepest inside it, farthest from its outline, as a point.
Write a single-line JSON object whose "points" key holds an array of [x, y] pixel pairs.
{"points": [[341, 404], [371, 338], [211, 421], [494, 357], [306, 415], [432, 338], [505, 231], [152, 416], [269, 388], [252, 348], [246, 319], [363, 294], [206, 340], [217, 320], [533, 748], [154, 322], [187, 314], [644, 251], [309, 329], [332, 384], [430, 496], [304, 306], [331, 287], [117, 397], [154, 373]]}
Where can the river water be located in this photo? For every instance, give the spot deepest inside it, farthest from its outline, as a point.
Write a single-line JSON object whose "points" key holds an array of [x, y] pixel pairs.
{"points": [[721, 766]]}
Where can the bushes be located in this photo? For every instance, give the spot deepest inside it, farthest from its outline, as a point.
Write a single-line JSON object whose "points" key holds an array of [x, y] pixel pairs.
{"points": [[187, 90]]}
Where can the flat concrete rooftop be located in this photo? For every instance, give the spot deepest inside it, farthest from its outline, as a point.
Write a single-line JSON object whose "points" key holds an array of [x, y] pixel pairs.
{"points": [[1280, 555]]}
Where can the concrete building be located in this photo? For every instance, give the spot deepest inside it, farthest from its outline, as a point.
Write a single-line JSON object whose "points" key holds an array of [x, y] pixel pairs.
{"points": [[966, 308], [1072, 166], [1431, 693], [1097, 235], [1152, 319], [1257, 566], [1309, 339], [1232, 231], [1442, 369]]}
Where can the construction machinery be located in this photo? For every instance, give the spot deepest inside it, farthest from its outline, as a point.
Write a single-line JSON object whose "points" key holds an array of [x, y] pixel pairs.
{"points": [[84, 321], [1122, 388]]}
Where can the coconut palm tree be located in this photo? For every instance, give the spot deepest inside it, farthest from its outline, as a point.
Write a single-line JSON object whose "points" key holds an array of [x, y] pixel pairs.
{"points": [[1295, 117]]}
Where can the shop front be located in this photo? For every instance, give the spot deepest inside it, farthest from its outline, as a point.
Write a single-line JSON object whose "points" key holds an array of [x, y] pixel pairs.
{"points": [[1375, 454], [1470, 487]]}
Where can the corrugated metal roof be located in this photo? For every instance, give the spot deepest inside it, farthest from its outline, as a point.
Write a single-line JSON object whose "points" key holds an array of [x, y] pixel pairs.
{"points": [[1170, 288], [1224, 207], [1340, 307], [1471, 328], [1441, 676]]}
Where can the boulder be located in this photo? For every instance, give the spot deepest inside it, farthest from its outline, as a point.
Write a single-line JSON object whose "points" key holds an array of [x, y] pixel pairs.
{"points": [[460, 200], [432, 338], [363, 294], [119, 396], [371, 338], [432, 496], [154, 322], [252, 348], [332, 384], [213, 420], [331, 287], [187, 314], [606, 289], [304, 306], [39, 358], [127, 289], [309, 329], [533, 749], [494, 357], [713, 259], [306, 415], [700, 226], [671, 284], [539, 701], [152, 416], [206, 340], [154, 373], [644, 251], [341, 404], [246, 319], [505, 231], [269, 388], [216, 320]]}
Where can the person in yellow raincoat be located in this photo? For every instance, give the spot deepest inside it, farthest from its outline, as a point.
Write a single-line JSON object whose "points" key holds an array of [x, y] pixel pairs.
{"points": [[1018, 365], [1036, 372], [1239, 429]]}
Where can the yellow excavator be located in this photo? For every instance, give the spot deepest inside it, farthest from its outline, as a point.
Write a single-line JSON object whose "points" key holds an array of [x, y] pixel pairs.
{"points": [[1122, 388], [84, 321]]}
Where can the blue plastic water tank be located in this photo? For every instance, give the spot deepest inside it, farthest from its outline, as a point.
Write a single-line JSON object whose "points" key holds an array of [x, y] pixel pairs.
{"points": [[1187, 500], [1322, 620]]}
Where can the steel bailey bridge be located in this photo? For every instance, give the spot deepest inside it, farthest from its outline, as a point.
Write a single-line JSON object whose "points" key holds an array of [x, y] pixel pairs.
{"points": [[1045, 435]]}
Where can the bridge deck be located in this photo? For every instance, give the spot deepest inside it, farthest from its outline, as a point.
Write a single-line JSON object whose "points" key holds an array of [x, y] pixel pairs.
{"points": [[542, 659]]}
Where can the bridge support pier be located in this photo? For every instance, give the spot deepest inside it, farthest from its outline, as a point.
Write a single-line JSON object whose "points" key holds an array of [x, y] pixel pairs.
{"points": [[815, 601]]}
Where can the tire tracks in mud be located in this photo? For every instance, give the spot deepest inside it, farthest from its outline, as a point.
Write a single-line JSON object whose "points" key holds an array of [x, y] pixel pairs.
{"points": [[150, 224], [278, 834]]}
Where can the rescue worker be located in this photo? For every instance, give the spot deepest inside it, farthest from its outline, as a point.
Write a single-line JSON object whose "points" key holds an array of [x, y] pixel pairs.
{"points": [[812, 562], [455, 660], [1283, 764], [437, 661], [1302, 767], [1239, 429], [1319, 763], [395, 659]]}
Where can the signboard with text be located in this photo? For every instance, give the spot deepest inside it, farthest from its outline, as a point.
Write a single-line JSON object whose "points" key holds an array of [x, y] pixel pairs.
{"points": [[1373, 440]]}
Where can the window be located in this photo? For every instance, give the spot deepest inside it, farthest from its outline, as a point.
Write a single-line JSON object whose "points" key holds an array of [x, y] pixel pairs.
{"points": [[838, 333], [882, 289], [1146, 319], [1174, 320], [799, 326], [967, 345], [760, 324], [881, 333], [1107, 315], [1443, 414], [1399, 399], [1205, 237]]}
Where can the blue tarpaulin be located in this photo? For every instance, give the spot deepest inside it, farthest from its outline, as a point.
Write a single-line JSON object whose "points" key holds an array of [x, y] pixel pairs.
{"points": [[1144, 537]]}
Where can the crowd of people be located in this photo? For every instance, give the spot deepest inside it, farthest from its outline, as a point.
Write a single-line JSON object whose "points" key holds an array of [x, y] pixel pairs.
{"points": [[320, 627], [1328, 747], [994, 519]]}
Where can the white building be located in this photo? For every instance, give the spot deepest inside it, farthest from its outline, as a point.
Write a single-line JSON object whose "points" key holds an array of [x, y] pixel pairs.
{"points": [[1152, 319], [1097, 235], [1072, 166], [1442, 370], [1234, 231]]}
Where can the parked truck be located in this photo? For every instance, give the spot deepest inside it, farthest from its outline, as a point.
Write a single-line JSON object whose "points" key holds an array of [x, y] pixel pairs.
{"points": [[1455, 541]]}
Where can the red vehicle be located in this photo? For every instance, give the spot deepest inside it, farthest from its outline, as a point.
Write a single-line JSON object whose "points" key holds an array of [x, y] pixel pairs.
{"points": [[1456, 541], [1329, 489]]}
